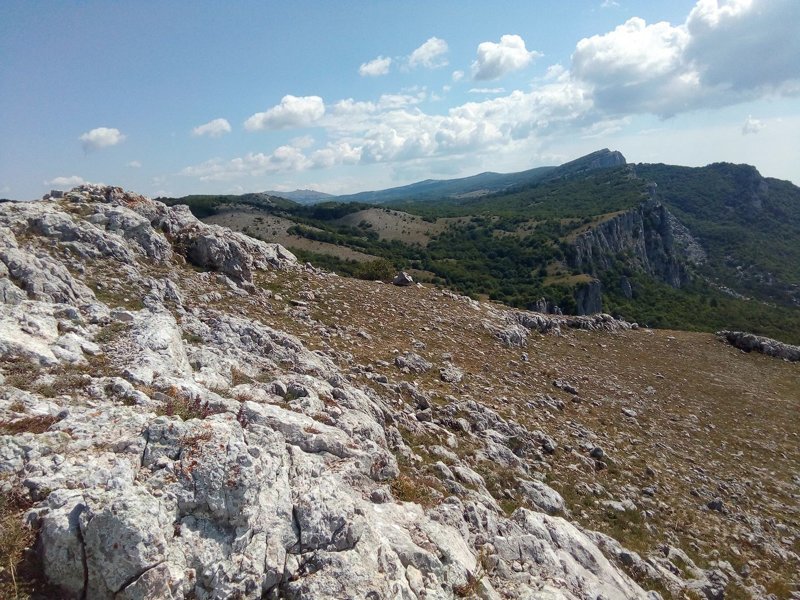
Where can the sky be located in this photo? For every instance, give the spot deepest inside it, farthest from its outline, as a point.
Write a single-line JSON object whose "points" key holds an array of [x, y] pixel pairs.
{"points": [[179, 97]]}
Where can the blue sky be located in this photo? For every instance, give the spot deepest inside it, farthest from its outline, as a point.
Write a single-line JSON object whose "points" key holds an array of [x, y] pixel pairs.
{"points": [[171, 98]]}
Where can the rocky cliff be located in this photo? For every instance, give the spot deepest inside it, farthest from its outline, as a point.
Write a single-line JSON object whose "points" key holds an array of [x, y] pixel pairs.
{"points": [[648, 238], [166, 437]]}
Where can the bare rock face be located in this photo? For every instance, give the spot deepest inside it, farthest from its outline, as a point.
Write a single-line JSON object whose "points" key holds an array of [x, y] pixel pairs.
{"points": [[749, 343], [188, 449]]}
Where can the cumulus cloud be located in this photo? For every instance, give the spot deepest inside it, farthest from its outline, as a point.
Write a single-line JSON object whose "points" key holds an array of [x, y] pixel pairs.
{"points": [[215, 128], [457, 75], [498, 59], [287, 158], [745, 44], [71, 181], [752, 125], [375, 67], [293, 111], [638, 67], [134, 164], [101, 137], [725, 52], [430, 54]]}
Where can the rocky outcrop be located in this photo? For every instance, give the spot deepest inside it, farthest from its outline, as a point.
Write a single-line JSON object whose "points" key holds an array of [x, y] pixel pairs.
{"points": [[589, 298], [174, 445], [648, 238], [756, 343], [516, 325], [600, 159]]}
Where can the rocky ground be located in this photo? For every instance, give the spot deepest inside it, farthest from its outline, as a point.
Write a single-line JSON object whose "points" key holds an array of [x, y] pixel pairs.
{"points": [[186, 412]]}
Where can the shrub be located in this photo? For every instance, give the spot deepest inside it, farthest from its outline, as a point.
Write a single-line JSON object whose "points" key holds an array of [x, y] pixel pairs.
{"points": [[380, 269]]}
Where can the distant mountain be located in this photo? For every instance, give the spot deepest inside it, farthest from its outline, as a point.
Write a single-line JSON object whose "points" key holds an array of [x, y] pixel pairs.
{"points": [[204, 205], [487, 183], [600, 159], [435, 189], [303, 196]]}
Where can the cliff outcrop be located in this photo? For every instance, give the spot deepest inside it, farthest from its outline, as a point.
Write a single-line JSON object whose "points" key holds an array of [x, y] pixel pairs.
{"points": [[649, 238]]}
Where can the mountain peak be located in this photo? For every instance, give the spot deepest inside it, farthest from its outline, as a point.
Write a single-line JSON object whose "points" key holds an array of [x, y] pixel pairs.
{"points": [[600, 159]]}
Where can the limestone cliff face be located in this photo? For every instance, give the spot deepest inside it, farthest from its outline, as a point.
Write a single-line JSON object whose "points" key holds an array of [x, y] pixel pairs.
{"points": [[649, 238]]}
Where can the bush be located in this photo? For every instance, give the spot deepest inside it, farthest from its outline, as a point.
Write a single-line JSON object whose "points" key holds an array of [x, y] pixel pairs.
{"points": [[380, 269]]}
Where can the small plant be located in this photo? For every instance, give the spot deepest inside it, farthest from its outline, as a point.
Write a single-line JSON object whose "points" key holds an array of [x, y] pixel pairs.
{"points": [[31, 424], [241, 417], [239, 377], [423, 490], [111, 332], [179, 404], [470, 588], [380, 269]]}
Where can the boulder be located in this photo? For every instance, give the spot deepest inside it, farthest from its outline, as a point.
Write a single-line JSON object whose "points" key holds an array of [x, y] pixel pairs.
{"points": [[402, 279]]}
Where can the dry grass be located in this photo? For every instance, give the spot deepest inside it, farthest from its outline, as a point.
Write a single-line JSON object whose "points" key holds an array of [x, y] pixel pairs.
{"points": [[32, 424], [20, 572], [708, 415]]}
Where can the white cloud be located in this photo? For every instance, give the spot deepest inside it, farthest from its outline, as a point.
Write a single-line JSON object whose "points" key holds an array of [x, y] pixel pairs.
{"points": [[391, 101], [745, 44], [430, 55], [134, 164], [494, 90], [215, 128], [637, 68], [556, 72], [457, 75], [70, 181], [101, 137], [752, 125], [375, 67], [293, 111], [496, 60], [302, 141], [609, 4], [724, 53]]}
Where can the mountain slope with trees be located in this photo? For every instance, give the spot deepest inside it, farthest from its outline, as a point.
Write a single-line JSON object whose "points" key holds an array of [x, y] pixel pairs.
{"points": [[691, 248]]}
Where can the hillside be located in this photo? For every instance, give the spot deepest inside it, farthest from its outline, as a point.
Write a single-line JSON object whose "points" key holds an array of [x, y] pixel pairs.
{"points": [[188, 412], [435, 189], [748, 224], [303, 196], [664, 246]]}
